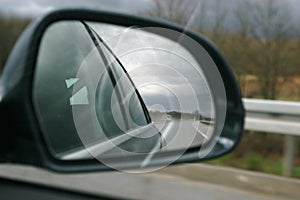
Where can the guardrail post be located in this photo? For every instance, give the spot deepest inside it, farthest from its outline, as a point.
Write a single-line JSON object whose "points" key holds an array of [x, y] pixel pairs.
{"points": [[290, 146]]}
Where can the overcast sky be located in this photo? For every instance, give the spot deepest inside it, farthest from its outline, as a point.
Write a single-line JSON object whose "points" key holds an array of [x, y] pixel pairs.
{"points": [[36, 7]]}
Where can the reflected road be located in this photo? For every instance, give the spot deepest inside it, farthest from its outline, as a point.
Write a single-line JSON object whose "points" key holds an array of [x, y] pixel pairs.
{"points": [[180, 134]]}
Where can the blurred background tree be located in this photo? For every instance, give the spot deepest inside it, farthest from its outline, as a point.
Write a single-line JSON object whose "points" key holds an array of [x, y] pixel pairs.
{"points": [[170, 10], [262, 46], [11, 28], [269, 29]]}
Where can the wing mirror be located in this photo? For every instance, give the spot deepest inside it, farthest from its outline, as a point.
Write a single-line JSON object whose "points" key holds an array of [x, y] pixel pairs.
{"points": [[86, 90]]}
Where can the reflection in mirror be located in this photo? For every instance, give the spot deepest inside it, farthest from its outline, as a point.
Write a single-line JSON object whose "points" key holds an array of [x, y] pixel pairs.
{"points": [[109, 90]]}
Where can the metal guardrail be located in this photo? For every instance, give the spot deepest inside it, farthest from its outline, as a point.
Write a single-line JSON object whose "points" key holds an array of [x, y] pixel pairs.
{"points": [[273, 116], [282, 117]]}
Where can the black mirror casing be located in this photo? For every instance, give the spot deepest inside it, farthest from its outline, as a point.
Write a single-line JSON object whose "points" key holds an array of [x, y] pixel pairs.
{"points": [[22, 139]]}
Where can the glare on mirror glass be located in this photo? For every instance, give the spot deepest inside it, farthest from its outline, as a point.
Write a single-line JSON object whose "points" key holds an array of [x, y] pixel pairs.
{"points": [[106, 90]]}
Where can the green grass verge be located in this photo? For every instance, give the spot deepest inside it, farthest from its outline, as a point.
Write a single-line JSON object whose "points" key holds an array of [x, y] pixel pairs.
{"points": [[254, 162]]}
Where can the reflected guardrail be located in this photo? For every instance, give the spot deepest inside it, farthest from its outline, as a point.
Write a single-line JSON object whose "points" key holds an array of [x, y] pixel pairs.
{"points": [[281, 117]]}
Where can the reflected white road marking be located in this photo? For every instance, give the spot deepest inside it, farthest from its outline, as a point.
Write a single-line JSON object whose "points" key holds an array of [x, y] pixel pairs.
{"points": [[196, 126]]}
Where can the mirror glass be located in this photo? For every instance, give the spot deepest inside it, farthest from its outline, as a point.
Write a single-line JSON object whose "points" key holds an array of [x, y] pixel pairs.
{"points": [[104, 90]]}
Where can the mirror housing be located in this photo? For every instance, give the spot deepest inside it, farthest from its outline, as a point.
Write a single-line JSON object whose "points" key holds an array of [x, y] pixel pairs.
{"points": [[23, 140]]}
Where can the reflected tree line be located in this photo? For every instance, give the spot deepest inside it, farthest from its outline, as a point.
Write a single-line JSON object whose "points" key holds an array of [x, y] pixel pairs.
{"points": [[259, 39], [176, 115]]}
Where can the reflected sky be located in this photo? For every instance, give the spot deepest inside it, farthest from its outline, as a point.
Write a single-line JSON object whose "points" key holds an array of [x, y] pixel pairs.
{"points": [[164, 72]]}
